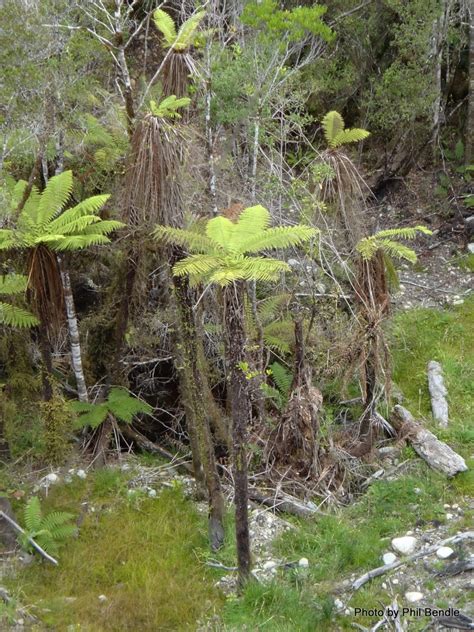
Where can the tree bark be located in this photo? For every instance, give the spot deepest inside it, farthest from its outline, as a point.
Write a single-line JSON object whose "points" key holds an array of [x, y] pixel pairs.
{"points": [[74, 339], [241, 416], [437, 454], [197, 418]]}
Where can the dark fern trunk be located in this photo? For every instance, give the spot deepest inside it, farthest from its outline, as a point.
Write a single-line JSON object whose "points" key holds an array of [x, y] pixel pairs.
{"points": [[193, 390], [241, 415]]}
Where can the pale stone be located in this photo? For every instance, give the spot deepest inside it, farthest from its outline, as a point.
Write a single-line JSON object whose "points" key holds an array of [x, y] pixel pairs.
{"points": [[270, 565], [404, 545], [81, 474], [444, 552], [303, 563], [413, 597], [389, 558], [52, 478]]}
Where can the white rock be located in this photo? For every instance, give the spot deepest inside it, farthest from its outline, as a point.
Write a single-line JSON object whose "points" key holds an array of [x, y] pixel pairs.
{"points": [[412, 597], [268, 566], [417, 490], [303, 563], [470, 247], [152, 493], [102, 598], [449, 516], [395, 581], [52, 478], [389, 558], [338, 603], [444, 552], [81, 473], [405, 544]]}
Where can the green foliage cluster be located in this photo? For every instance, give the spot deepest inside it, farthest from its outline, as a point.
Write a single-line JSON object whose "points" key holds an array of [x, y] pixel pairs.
{"points": [[48, 531], [178, 40], [119, 403], [12, 315], [383, 240]]}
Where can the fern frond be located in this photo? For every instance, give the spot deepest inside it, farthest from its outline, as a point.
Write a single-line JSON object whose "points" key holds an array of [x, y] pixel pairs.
{"points": [[278, 335], [32, 514], [279, 237], [196, 265], [103, 227], [78, 242], [220, 230], [397, 250], [90, 206], [408, 232], [54, 197], [193, 241], [187, 31], [268, 306], [262, 269], [282, 377], [93, 417], [16, 316], [347, 136], [55, 519], [165, 24], [13, 284], [7, 239], [253, 219], [333, 124], [125, 406], [168, 108]]}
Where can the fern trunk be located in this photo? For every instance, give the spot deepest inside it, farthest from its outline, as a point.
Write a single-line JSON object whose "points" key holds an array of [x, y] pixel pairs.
{"points": [[74, 339], [241, 415], [193, 391]]}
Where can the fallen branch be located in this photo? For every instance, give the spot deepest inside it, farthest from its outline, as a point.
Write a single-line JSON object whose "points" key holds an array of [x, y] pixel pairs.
{"points": [[284, 503], [381, 570], [437, 454], [154, 448], [34, 544], [438, 393]]}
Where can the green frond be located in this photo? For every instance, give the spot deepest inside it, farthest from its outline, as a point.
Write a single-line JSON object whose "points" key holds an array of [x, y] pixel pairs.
{"points": [[188, 30], [168, 108], [220, 230], [267, 307], [397, 250], [125, 406], [13, 284], [282, 377], [252, 220], [192, 241], [7, 239], [17, 193], [391, 270], [92, 416], [197, 265], [103, 227], [333, 124], [32, 514], [368, 246], [54, 197], [90, 206], [165, 24], [55, 519], [408, 232], [347, 136], [76, 226], [278, 237], [262, 269], [16, 316], [279, 335], [78, 242]]}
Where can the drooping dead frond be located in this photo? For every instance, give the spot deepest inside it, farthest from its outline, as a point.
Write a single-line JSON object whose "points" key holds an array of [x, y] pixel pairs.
{"points": [[152, 191], [45, 288], [178, 72]]}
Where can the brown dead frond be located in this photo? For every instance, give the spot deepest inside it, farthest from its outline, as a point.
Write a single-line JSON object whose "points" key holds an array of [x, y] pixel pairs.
{"points": [[45, 289], [178, 71]]}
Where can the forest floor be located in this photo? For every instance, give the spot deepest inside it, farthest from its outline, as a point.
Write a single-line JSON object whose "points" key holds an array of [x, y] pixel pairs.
{"points": [[139, 562]]}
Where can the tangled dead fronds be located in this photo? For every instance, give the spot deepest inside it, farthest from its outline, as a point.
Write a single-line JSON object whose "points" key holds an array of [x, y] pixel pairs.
{"points": [[178, 71], [45, 288]]}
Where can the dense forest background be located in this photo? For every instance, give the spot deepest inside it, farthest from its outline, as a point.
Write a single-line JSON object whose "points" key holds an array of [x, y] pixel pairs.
{"points": [[236, 252]]}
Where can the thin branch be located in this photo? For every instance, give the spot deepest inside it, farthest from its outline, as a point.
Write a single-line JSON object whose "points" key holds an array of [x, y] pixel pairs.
{"points": [[34, 544]]}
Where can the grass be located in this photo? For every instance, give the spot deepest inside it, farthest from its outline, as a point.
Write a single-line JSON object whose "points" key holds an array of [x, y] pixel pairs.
{"points": [[353, 539], [143, 555]]}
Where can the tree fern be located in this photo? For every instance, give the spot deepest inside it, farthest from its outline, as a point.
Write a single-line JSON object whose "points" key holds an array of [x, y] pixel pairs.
{"points": [[335, 133], [119, 403], [184, 38], [219, 256], [282, 377], [168, 108], [48, 531], [368, 246]]}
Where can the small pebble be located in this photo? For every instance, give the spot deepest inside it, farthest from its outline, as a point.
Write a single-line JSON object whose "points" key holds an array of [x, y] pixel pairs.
{"points": [[303, 563], [414, 596], [102, 598], [81, 474], [389, 558], [444, 552], [268, 566]]}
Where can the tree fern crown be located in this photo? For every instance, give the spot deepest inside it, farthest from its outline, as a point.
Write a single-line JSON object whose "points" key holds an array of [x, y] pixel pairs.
{"points": [[177, 40], [383, 240], [335, 133], [221, 254], [43, 220]]}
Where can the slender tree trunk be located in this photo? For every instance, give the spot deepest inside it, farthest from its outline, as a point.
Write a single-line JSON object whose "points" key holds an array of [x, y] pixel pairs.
{"points": [[209, 133], [197, 417], [47, 371], [74, 339], [241, 416], [469, 144]]}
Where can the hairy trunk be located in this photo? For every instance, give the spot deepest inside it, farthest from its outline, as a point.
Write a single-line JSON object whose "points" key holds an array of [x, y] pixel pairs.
{"points": [[193, 391], [76, 356], [241, 416]]}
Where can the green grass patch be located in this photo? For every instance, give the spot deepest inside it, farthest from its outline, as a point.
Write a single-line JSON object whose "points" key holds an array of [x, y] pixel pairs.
{"points": [[143, 555]]}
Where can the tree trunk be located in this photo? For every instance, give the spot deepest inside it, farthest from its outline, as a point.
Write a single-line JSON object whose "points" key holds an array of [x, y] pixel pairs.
{"points": [[241, 416], [193, 393], [76, 357], [469, 144], [47, 370]]}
